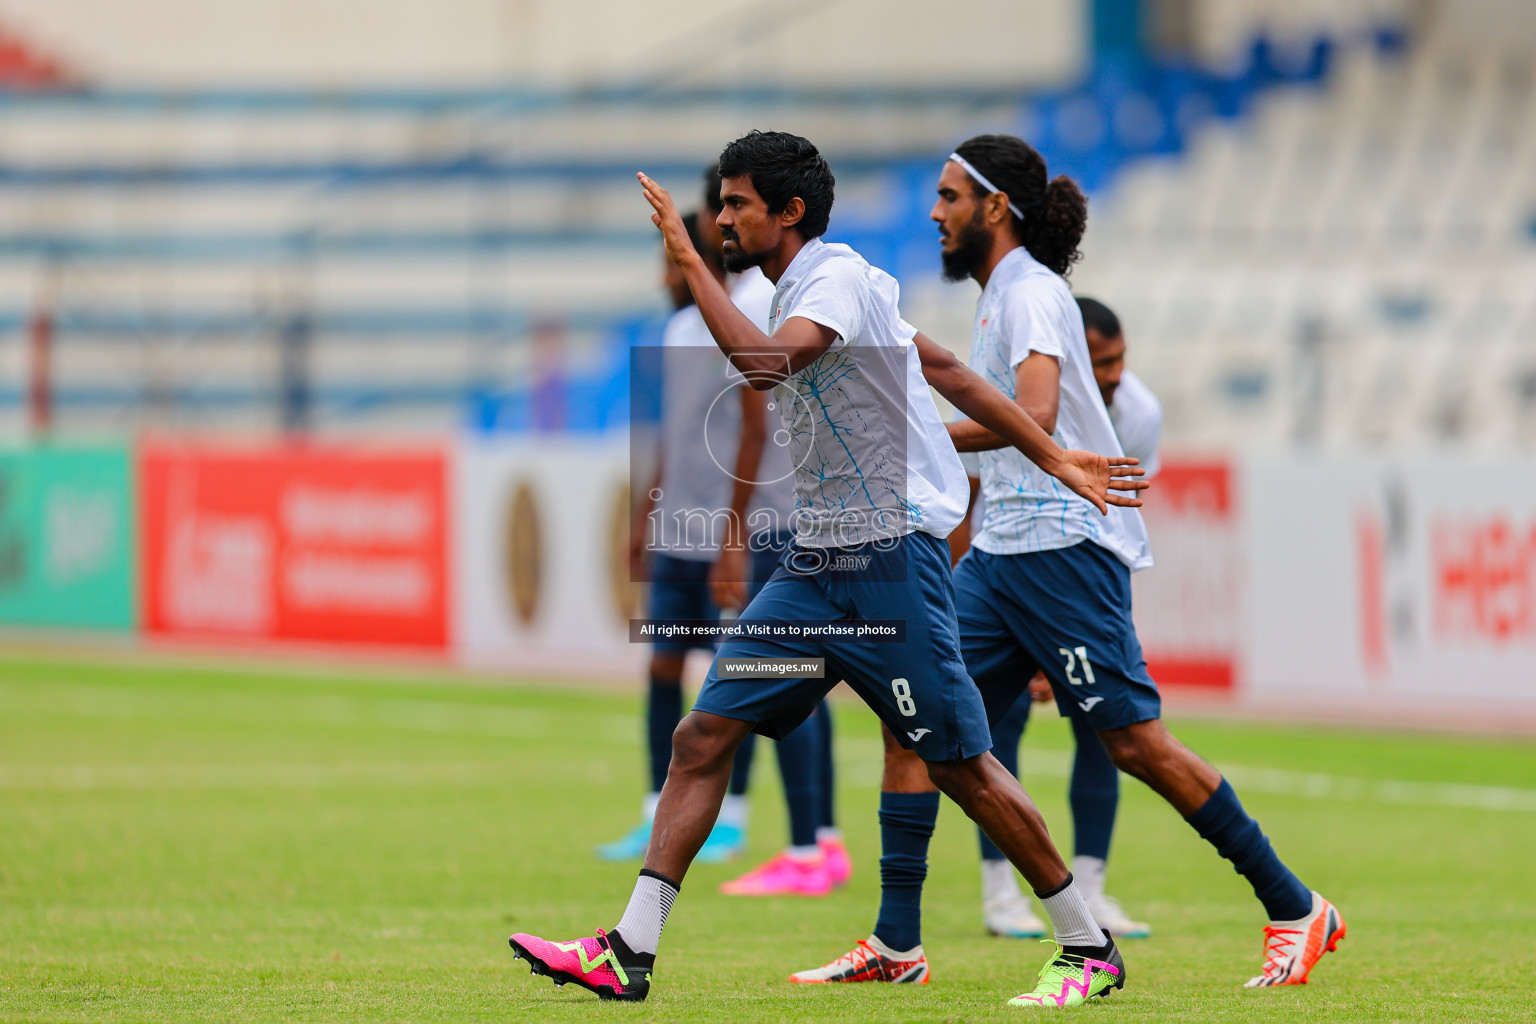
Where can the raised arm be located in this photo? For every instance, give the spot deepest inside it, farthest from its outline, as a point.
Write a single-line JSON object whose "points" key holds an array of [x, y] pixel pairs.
{"points": [[1090, 475], [764, 360]]}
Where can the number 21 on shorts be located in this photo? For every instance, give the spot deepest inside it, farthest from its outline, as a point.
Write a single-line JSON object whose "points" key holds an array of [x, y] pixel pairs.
{"points": [[1074, 655]]}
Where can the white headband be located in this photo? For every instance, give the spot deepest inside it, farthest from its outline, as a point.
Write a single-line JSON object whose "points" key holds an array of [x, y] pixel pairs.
{"points": [[981, 179]]}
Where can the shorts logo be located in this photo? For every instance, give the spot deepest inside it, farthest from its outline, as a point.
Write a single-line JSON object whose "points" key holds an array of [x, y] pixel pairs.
{"points": [[920, 733], [1087, 705]]}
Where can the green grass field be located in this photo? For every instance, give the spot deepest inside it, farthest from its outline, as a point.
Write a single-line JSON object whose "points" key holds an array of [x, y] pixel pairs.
{"points": [[180, 843]]}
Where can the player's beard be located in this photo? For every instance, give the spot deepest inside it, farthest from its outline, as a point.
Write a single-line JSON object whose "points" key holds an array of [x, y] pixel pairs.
{"points": [[738, 259], [970, 252]]}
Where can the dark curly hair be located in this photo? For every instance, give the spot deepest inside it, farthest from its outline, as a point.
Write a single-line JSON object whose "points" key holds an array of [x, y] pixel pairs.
{"points": [[783, 166], [1055, 212]]}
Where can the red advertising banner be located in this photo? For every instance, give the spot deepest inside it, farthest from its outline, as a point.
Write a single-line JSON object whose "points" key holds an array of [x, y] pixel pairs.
{"points": [[1188, 606], [295, 543]]}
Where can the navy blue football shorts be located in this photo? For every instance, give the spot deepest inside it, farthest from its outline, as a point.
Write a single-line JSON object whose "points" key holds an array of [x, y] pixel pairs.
{"points": [[1066, 612], [680, 590], [918, 687]]}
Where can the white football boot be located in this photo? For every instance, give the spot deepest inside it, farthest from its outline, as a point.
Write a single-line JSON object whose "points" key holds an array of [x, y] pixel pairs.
{"points": [[1004, 909], [1106, 910]]}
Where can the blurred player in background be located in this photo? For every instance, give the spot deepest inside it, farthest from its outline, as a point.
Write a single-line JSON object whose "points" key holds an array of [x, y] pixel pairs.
{"points": [[762, 501], [852, 379], [1094, 790], [1046, 585], [1134, 410], [680, 550]]}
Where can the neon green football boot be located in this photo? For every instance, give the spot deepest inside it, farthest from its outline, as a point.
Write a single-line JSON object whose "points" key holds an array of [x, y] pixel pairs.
{"points": [[1070, 979]]}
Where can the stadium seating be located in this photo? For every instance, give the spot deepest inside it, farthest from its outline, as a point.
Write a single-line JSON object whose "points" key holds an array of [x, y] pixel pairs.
{"points": [[1348, 265], [1325, 237]]}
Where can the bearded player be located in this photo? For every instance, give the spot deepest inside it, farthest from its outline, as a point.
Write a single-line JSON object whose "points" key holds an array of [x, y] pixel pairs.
{"points": [[1046, 585], [1094, 790], [877, 487]]}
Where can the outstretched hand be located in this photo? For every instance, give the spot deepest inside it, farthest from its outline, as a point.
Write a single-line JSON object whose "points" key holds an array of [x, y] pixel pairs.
{"points": [[1097, 477], [674, 235]]}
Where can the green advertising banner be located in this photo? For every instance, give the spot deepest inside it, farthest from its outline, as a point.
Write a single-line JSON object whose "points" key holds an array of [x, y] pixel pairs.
{"points": [[66, 537]]}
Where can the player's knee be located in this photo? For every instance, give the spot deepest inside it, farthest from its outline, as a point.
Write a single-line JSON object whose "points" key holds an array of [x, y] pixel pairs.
{"points": [[699, 744], [1141, 750], [963, 777], [667, 668], [1128, 753], [944, 774]]}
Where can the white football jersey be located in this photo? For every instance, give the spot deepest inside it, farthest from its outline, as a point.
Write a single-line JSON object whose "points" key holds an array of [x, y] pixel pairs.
{"points": [[694, 427], [1026, 308], [872, 458], [701, 431], [1138, 419]]}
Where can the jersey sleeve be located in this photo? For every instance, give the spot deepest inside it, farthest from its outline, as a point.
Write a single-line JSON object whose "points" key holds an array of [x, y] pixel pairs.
{"points": [[836, 297], [1029, 327]]}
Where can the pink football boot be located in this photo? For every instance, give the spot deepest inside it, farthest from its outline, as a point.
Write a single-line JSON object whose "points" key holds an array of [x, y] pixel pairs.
{"points": [[783, 876], [590, 963], [839, 864]]}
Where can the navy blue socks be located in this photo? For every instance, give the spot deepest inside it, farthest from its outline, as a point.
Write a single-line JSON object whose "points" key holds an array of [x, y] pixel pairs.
{"points": [[663, 711], [799, 764], [1094, 794], [741, 768], [827, 779], [1225, 825], [906, 825]]}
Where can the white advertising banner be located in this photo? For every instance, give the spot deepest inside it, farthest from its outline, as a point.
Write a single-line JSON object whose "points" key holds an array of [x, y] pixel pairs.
{"points": [[1377, 579], [541, 555], [1351, 587]]}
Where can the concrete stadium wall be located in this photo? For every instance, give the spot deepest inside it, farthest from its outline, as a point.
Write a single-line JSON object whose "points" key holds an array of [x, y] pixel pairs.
{"points": [[356, 43]]}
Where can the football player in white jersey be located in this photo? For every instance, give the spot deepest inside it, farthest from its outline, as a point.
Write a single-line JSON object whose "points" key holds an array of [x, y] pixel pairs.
{"points": [[1046, 585], [877, 488], [1134, 410], [1094, 790], [762, 500]]}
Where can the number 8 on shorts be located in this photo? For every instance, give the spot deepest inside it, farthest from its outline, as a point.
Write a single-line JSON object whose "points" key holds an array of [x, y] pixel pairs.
{"points": [[903, 691]]}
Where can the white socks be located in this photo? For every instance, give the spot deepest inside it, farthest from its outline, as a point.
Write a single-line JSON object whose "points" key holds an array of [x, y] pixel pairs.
{"points": [[647, 912], [828, 834], [803, 854], [1073, 924], [1088, 872], [733, 811], [998, 881]]}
